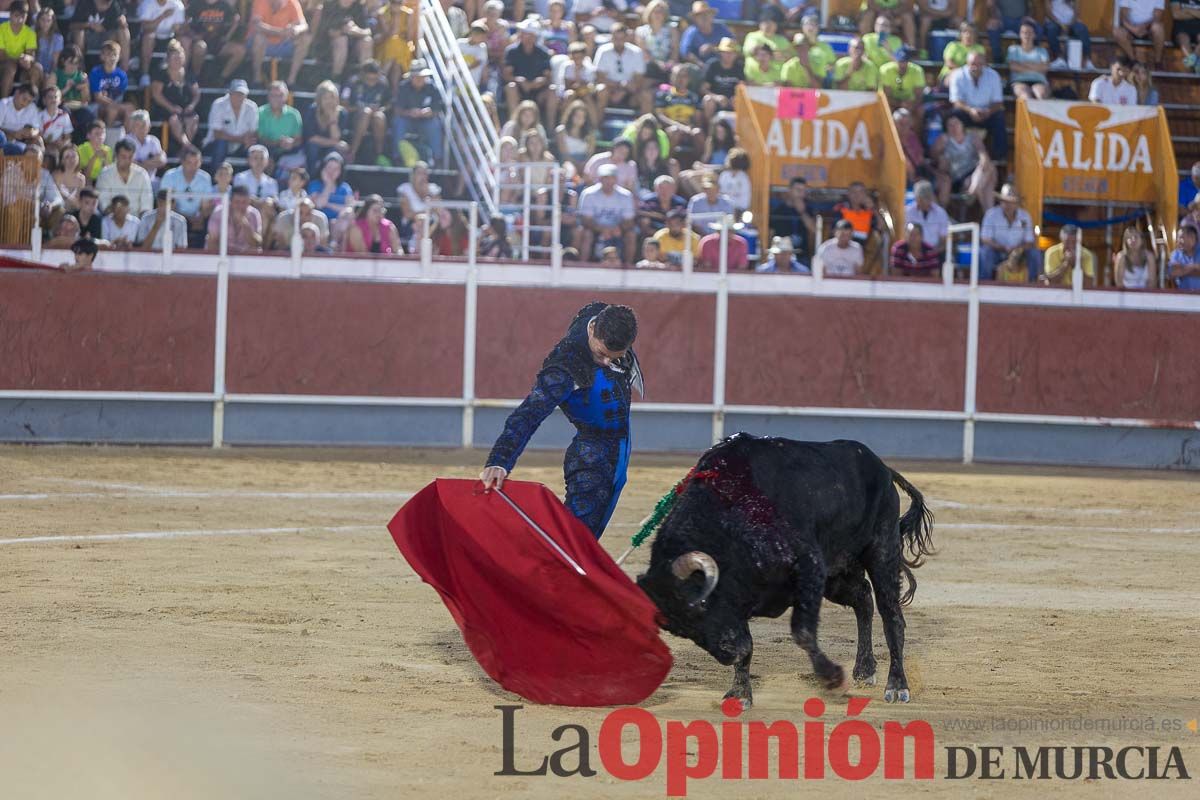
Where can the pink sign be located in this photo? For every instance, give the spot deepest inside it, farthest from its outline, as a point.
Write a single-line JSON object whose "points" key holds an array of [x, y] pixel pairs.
{"points": [[797, 104]]}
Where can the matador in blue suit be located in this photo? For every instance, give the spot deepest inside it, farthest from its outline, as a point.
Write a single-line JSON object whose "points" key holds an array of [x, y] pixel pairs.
{"points": [[590, 374]]}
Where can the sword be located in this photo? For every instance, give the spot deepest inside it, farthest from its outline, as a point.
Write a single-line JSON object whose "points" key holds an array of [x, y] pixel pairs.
{"points": [[545, 536]]}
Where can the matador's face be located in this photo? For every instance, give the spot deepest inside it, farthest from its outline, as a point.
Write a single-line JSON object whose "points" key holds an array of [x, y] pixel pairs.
{"points": [[600, 353]]}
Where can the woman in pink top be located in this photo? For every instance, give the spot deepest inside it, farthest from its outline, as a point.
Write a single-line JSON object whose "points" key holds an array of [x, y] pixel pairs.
{"points": [[372, 231]]}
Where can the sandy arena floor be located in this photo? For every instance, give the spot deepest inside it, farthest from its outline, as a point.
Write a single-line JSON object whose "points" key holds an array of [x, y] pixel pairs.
{"points": [[268, 640]]}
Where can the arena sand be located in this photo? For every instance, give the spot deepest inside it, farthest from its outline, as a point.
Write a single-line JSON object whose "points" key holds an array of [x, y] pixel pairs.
{"points": [[311, 661]]}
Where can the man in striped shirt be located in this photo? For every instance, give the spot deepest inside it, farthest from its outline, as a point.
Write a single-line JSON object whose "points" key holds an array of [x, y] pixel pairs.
{"points": [[912, 256]]}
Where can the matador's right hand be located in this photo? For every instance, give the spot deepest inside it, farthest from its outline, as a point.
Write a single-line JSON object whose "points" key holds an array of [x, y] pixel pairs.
{"points": [[493, 477]]}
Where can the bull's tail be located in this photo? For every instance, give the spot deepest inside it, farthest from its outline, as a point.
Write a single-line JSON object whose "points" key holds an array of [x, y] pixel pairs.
{"points": [[916, 536]]}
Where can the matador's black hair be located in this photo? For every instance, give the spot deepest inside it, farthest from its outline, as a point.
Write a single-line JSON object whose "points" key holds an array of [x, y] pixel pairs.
{"points": [[616, 326]]}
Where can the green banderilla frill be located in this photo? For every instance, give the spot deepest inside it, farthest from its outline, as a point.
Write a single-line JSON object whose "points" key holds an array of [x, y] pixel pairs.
{"points": [[661, 509]]}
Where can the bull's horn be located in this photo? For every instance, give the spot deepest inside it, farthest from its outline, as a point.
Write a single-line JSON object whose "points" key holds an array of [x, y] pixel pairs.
{"points": [[683, 567]]}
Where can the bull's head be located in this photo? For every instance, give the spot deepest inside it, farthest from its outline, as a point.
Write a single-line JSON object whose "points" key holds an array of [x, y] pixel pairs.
{"points": [[688, 565], [681, 589]]}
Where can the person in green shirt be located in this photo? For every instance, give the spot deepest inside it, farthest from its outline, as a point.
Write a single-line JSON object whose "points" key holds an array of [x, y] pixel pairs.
{"points": [[763, 69], [811, 52], [18, 51], [94, 154], [279, 124], [70, 80], [769, 20], [904, 84], [882, 44], [956, 53], [902, 10], [855, 72]]}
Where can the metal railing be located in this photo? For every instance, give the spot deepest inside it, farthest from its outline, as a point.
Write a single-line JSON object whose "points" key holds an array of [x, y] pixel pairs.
{"points": [[472, 136], [527, 207]]}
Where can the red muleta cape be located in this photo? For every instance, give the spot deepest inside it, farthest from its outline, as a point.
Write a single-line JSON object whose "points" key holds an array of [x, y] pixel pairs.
{"points": [[537, 627]]}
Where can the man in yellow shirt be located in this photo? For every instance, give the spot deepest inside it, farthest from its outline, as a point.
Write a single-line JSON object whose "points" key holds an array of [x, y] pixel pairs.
{"points": [[904, 84], [18, 50], [763, 69], [672, 240], [812, 53], [854, 72], [1060, 260], [882, 44]]}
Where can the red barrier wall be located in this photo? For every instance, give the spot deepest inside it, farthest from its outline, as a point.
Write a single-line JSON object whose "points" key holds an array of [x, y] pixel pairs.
{"points": [[352, 338], [1090, 362], [98, 332], [518, 326], [803, 351]]}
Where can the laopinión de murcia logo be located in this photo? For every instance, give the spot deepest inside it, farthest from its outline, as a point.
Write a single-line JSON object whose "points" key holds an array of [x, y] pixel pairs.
{"points": [[814, 750]]}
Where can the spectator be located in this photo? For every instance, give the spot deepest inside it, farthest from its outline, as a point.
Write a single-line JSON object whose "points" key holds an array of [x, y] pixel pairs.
{"points": [[494, 242], [1005, 16], [397, 24], [125, 178], [245, 226], [621, 73], [762, 69], [930, 217], [1142, 81], [699, 42], [1136, 266], [1189, 187], [211, 27], [1028, 64], [310, 235], [65, 235], [497, 38], [18, 50], [1114, 89], [1184, 266], [297, 189], [94, 154], [737, 251], [678, 109], [74, 85], [68, 178], [769, 20], [956, 53], [602, 15], [917, 164], [85, 251], [841, 255], [329, 192], [659, 40], [881, 45], [345, 33], [278, 30], [790, 217], [814, 60], [415, 196], [913, 256], [1007, 230], [147, 150], [108, 83], [722, 75], [119, 228], [187, 182], [450, 236], [306, 212], [977, 95], [606, 217], [262, 187], [326, 124], [474, 52], [51, 202], [233, 122], [721, 140], [96, 23], [417, 109], [854, 72], [1140, 19], [280, 128], [1061, 16], [525, 116], [783, 258], [674, 239], [367, 98], [872, 10], [708, 203], [651, 256], [575, 80], [651, 165], [556, 31], [159, 20], [575, 139], [653, 211], [372, 231], [1060, 260], [1185, 22], [734, 180], [963, 165], [175, 94], [620, 157], [49, 41], [154, 224], [54, 123], [20, 120], [88, 215], [527, 71], [904, 84], [931, 12]]}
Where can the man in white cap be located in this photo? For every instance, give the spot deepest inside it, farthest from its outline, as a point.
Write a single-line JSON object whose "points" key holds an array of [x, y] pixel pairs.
{"points": [[1007, 228], [417, 108], [782, 258], [232, 123], [526, 72], [606, 216]]}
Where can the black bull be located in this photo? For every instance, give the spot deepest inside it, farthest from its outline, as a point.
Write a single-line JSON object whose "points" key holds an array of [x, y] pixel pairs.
{"points": [[770, 524]]}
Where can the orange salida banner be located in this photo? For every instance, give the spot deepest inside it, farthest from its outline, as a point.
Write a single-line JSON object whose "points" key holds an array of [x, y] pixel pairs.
{"points": [[851, 139]]}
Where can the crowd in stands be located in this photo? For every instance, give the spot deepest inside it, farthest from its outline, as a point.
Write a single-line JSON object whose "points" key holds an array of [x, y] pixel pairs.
{"points": [[621, 110]]}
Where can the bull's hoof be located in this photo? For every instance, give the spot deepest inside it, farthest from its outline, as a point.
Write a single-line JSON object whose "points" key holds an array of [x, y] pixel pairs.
{"points": [[745, 698], [895, 696], [865, 680], [835, 678]]}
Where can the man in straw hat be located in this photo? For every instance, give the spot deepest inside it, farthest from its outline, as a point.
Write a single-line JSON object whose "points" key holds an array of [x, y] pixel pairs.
{"points": [[526, 71], [721, 79], [700, 40], [782, 258], [1007, 230]]}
